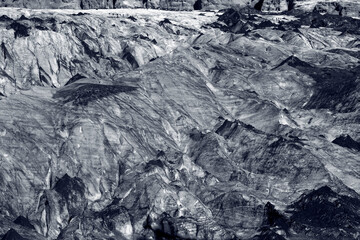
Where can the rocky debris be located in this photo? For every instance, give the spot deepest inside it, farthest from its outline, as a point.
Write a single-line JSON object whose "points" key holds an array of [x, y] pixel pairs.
{"points": [[323, 208], [97, 4], [172, 127], [273, 218], [20, 30], [82, 94], [350, 9], [334, 87], [23, 222], [267, 234], [336, 7], [51, 66], [309, 215], [73, 191], [274, 5], [233, 17], [338, 23], [74, 79], [347, 141], [12, 235]]}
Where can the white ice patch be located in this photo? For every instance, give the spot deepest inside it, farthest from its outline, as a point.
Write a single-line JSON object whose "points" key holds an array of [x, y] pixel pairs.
{"points": [[278, 105], [349, 180], [284, 120], [170, 131], [48, 178], [111, 134], [94, 192], [43, 221], [211, 87], [64, 133], [2, 132], [127, 230]]}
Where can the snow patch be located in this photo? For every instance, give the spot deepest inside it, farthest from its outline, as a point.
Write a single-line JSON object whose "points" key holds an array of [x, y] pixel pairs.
{"points": [[127, 230], [211, 87], [94, 192]]}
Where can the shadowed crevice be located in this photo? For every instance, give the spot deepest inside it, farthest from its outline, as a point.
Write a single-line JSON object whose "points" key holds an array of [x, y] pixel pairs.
{"points": [[198, 5], [258, 5]]}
